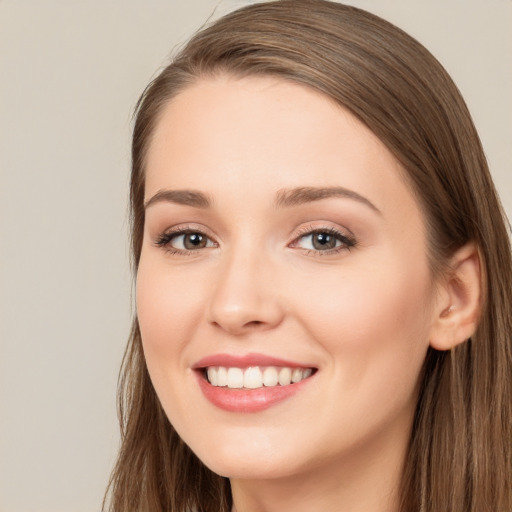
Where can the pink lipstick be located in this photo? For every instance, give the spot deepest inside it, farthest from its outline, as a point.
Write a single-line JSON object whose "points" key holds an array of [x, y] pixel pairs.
{"points": [[250, 383]]}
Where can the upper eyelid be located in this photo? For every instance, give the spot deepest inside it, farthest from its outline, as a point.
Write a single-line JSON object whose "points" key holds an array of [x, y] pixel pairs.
{"points": [[188, 228], [311, 228]]}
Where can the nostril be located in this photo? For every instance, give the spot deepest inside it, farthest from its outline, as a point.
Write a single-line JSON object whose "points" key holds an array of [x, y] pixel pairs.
{"points": [[254, 323]]}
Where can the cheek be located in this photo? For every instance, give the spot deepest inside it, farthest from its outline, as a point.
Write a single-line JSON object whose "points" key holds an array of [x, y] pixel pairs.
{"points": [[374, 324], [168, 309]]}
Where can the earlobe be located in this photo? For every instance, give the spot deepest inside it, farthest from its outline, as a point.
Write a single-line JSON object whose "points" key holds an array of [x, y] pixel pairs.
{"points": [[458, 307]]}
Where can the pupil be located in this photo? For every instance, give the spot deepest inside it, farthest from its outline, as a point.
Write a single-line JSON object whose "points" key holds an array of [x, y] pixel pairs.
{"points": [[323, 241], [194, 240]]}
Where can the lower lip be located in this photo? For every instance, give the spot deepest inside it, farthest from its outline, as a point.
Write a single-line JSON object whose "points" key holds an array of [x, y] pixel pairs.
{"points": [[248, 400]]}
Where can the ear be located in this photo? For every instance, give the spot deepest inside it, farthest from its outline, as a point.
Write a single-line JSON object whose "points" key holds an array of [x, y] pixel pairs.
{"points": [[458, 304]]}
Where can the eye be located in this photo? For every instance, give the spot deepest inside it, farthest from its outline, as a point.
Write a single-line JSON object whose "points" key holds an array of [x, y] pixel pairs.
{"points": [[183, 241], [324, 240]]}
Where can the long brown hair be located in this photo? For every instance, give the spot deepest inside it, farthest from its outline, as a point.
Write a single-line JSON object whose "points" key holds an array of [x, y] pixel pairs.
{"points": [[459, 458]]}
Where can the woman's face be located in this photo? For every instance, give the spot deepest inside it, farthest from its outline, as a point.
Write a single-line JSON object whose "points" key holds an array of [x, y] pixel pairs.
{"points": [[284, 256]]}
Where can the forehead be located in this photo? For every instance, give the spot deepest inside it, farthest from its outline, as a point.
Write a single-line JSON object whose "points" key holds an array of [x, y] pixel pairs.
{"points": [[266, 133]]}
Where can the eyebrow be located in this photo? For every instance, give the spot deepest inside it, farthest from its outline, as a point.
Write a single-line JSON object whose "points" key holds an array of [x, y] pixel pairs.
{"points": [[185, 197], [284, 197], [302, 195]]}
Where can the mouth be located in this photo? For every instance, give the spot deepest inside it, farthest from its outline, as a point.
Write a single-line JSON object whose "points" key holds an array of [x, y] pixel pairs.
{"points": [[255, 377], [250, 383]]}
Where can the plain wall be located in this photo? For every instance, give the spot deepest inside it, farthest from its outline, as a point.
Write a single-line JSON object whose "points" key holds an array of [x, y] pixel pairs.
{"points": [[70, 74]]}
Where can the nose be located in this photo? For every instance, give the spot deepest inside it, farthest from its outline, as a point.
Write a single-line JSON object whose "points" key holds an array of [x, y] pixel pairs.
{"points": [[245, 296]]}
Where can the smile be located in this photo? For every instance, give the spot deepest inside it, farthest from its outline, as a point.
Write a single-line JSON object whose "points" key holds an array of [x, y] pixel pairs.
{"points": [[255, 377], [252, 382]]}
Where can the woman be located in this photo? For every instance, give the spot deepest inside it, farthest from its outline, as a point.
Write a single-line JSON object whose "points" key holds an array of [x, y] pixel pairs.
{"points": [[323, 278]]}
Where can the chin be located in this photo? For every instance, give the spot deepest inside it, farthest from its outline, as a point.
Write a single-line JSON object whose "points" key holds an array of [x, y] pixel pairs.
{"points": [[254, 468], [248, 455], [258, 455]]}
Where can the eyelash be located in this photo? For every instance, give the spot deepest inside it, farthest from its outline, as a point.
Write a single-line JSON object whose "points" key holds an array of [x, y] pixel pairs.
{"points": [[346, 242], [164, 240]]}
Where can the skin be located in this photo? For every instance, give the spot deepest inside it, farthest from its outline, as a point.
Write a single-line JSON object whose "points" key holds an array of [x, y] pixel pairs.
{"points": [[362, 316]]}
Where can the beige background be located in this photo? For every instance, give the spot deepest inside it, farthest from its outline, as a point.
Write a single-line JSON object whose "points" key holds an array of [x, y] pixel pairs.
{"points": [[70, 73]]}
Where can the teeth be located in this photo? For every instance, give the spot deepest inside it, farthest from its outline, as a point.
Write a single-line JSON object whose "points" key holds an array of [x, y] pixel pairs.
{"points": [[222, 376], [270, 376], [296, 375], [285, 376], [235, 378], [255, 377], [212, 376]]}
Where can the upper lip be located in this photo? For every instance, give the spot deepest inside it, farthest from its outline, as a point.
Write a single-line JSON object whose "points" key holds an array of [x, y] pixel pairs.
{"points": [[245, 361]]}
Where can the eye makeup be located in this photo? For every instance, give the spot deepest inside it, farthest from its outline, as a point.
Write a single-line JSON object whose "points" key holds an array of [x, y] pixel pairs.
{"points": [[321, 241], [314, 240]]}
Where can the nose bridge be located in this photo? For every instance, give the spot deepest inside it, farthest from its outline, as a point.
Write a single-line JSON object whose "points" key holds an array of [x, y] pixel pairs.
{"points": [[244, 296]]}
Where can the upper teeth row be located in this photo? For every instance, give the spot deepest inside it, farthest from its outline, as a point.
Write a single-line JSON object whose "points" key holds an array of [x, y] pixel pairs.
{"points": [[255, 376]]}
